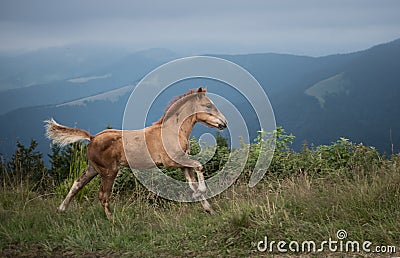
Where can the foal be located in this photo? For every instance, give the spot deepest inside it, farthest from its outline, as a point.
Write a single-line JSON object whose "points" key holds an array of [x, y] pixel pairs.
{"points": [[166, 142]]}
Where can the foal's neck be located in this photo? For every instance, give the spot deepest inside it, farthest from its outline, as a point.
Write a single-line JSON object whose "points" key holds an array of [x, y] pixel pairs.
{"points": [[181, 123]]}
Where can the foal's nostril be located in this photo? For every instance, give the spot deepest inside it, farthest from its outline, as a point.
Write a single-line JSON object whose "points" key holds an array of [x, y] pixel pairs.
{"points": [[222, 125]]}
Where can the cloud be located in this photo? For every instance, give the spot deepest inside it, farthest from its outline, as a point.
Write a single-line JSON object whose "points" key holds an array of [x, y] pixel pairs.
{"points": [[304, 27]]}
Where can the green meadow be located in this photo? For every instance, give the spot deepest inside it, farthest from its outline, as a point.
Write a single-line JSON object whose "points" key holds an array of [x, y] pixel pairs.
{"points": [[307, 195]]}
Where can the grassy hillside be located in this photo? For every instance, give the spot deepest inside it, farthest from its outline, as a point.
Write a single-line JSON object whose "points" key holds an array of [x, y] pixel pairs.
{"points": [[298, 208], [334, 85], [306, 196]]}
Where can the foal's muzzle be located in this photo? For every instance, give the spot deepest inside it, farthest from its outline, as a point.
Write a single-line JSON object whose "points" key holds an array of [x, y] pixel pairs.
{"points": [[222, 124]]}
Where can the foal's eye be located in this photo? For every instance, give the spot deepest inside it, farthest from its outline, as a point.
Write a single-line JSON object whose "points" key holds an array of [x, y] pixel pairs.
{"points": [[208, 106]]}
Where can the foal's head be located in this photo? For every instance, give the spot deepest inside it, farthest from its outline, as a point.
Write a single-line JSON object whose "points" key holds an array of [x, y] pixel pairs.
{"points": [[197, 105], [206, 112]]}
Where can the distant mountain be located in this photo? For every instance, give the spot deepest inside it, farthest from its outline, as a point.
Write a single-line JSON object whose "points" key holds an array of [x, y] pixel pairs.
{"points": [[126, 70], [359, 101], [279, 72], [317, 99], [27, 123], [54, 64]]}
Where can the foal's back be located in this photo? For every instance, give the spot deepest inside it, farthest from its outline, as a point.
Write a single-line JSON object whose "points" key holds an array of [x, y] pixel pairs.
{"points": [[110, 148]]}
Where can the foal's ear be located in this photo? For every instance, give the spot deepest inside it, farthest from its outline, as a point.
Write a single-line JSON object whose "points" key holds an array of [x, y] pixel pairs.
{"points": [[200, 89]]}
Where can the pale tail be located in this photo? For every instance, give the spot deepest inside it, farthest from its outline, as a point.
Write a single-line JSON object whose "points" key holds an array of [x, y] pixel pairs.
{"points": [[63, 135]]}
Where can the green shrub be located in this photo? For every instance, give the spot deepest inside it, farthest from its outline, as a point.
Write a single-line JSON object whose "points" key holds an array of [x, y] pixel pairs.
{"points": [[26, 165], [75, 155], [67, 164]]}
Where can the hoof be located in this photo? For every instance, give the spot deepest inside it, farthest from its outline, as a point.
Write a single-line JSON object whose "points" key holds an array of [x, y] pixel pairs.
{"points": [[109, 214], [207, 207], [61, 208], [211, 212]]}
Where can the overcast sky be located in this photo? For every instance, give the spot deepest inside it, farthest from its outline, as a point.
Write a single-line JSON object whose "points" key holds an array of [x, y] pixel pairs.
{"points": [[310, 27]]}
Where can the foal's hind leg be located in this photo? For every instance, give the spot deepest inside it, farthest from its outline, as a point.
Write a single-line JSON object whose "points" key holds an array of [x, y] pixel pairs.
{"points": [[107, 182], [188, 172], [88, 175]]}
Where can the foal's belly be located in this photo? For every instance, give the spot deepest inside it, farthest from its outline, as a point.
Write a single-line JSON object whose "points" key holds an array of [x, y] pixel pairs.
{"points": [[137, 152]]}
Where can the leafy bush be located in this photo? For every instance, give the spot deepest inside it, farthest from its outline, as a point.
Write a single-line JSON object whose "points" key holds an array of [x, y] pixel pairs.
{"points": [[26, 165], [67, 164], [340, 156], [75, 156]]}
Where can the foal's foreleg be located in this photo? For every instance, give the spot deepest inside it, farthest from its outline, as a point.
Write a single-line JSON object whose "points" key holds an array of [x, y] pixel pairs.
{"points": [[194, 164], [188, 172], [85, 178], [200, 177]]}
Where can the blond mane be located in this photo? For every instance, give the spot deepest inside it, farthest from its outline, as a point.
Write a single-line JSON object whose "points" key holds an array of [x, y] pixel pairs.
{"points": [[176, 99]]}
